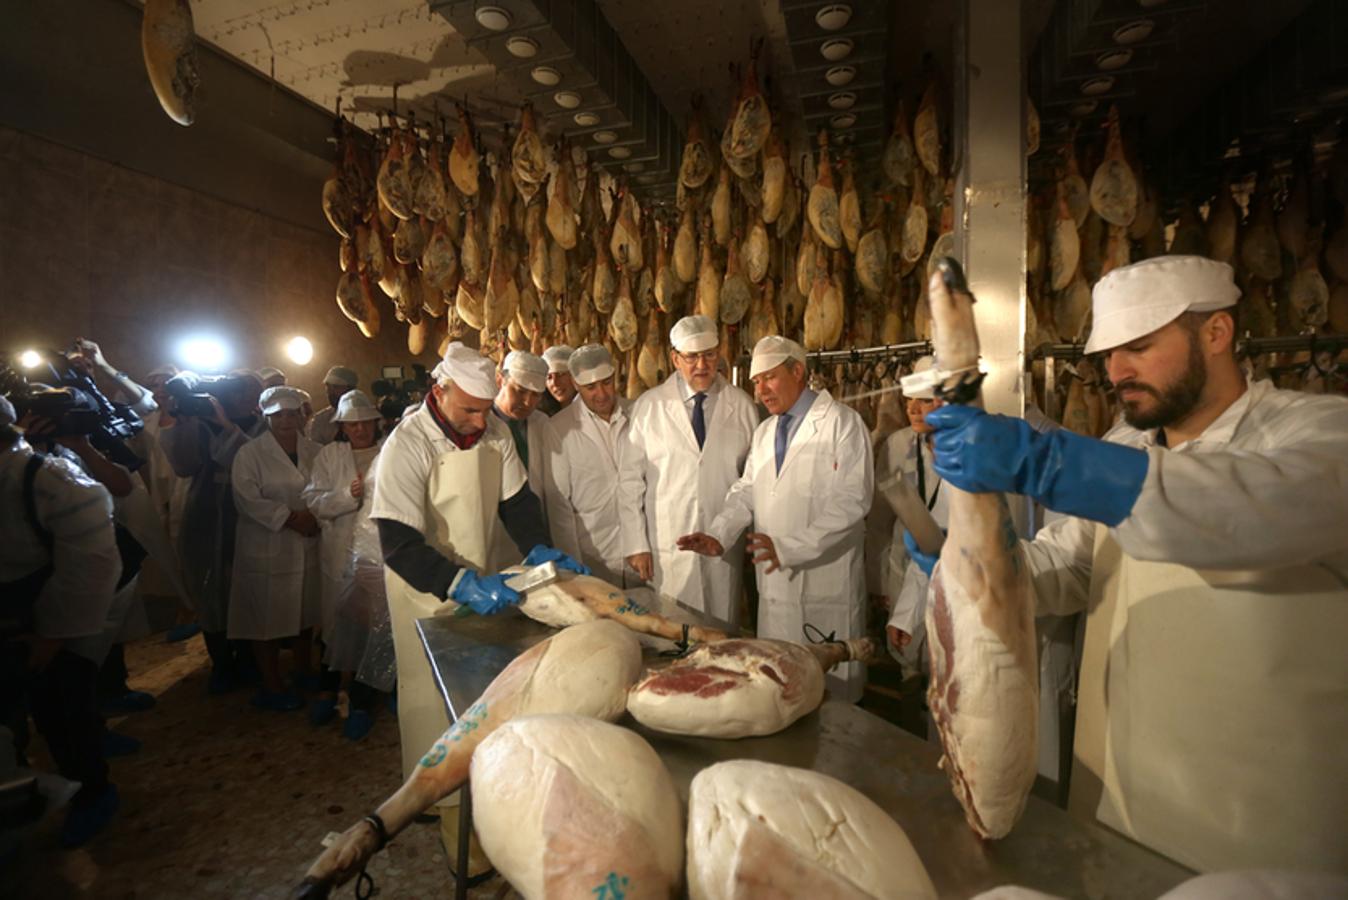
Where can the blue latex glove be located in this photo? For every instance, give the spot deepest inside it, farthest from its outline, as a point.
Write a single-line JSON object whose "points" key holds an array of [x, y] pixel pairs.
{"points": [[543, 553], [925, 561], [484, 594], [1064, 471]]}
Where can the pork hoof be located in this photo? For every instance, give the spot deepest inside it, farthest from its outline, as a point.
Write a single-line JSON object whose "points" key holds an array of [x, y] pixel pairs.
{"points": [[311, 889]]}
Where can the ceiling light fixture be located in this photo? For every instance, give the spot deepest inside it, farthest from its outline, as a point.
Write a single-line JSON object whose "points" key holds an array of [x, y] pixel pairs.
{"points": [[1134, 32], [619, 152], [1100, 84], [833, 16], [648, 178], [546, 75], [523, 47], [1084, 108], [843, 120], [842, 100], [586, 119], [635, 166], [566, 99], [605, 137], [836, 49], [493, 18], [1113, 59], [840, 75]]}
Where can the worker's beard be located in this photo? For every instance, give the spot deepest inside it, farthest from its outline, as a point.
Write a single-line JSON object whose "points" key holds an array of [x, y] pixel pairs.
{"points": [[1173, 402]]}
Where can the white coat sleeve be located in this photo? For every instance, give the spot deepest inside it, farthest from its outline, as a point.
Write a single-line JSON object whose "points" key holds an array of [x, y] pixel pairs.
{"points": [[247, 476], [738, 511], [632, 464], [1059, 558], [86, 564], [226, 444], [1242, 509], [910, 602], [328, 493], [186, 446], [849, 499], [556, 490]]}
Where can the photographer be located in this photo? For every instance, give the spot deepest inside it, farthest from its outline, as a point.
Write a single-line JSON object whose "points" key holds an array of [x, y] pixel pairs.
{"points": [[59, 565], [211, 427], [87, 357]]}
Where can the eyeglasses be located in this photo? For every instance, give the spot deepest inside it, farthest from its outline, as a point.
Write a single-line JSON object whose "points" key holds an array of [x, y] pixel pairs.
{"points": [[704, 356]]}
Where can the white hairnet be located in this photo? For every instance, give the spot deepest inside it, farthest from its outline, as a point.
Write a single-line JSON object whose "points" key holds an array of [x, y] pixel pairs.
{"points": [[474, 373], [591, 363], [526, 370], [773, 350], [694, 334], [557, 357]]}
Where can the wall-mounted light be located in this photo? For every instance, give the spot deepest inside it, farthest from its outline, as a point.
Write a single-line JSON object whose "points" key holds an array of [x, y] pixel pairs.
{"points": [[619, 152], [605, 137], [493, 18], [833, 16], [586, 119], [300, 350], [840, 75], [546, 75], [522, 47], [836, 49], [566, 99], [842, 100], [1134, 32], [30, 359], [843, 120], [1100, 84], [1113, 59]]}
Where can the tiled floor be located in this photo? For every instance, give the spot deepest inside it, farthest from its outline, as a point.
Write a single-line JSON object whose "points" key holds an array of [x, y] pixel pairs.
{"points": [[228, 801]]}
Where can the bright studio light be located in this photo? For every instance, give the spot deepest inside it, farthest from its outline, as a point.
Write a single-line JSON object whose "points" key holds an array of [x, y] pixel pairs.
{"points": [[300, 350], [204, 353], [30, 359]]}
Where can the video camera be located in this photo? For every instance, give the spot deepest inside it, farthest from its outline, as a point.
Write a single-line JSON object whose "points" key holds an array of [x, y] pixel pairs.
{"points": [[56, 390], [192, 393]]}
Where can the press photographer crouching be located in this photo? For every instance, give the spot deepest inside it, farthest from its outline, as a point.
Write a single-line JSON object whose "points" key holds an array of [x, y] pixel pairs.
{"points": [[216, 417]]}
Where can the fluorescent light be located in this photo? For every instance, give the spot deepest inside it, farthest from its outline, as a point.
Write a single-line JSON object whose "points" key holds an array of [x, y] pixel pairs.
{"points": [[300, 350]]}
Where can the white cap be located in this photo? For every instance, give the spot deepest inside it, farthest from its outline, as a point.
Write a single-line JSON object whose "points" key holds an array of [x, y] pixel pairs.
{"points": [[526, 370], [267, 372], [341, 375], [7, 414], [591, 363], [474, 373], [167, 370], [275, 399], [773, 350], [927, 392], [1135, 300], [557, 358], [694, 334], [355, 407]]}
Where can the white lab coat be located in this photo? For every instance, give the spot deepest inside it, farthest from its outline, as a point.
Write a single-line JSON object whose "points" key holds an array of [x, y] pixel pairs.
{"points": [[275, 592], [669, 488], [504, 552], [328, 497], [581, 488], [1214, 684], [322, 430], [814, 510]]}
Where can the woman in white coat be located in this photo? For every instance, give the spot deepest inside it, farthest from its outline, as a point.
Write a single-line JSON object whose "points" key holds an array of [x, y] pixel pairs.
{"points": [[275, 591], [336, 495]]}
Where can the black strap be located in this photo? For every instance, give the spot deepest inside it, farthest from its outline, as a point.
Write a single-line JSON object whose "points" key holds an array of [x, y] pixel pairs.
{"points": [[380, 831], [30, 471]]}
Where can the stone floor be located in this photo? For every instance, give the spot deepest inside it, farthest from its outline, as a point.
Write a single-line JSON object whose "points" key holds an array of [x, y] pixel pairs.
{"points": [[227, 801]]}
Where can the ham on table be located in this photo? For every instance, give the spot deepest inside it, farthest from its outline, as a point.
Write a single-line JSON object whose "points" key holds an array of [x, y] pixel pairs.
{"points": [[738, 688], [567, 806], [759, 830]]}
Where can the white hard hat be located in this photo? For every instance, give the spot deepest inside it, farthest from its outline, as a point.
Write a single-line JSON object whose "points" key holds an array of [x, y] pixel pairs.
{"points": [[591, 363], [927, 392], [557, 357], [471, 371], [275, 399], [355, 407], [267, 372], [1135, 300], [526, 370], [694, 334], [341, 375], [773, 350]]}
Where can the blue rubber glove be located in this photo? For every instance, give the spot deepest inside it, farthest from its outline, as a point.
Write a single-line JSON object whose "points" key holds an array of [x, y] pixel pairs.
{"points": [[1064, 471], [925, 561], [485, 595], [543, 553]]}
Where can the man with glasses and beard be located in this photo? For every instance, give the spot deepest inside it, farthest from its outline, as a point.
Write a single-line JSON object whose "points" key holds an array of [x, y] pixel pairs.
{"points": [[1205, 539]]}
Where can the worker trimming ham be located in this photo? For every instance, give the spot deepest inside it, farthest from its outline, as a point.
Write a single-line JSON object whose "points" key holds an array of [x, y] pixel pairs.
{"points": [[1204, 537], [806, 489], [449, 477], [581, 486], [685, 447]]}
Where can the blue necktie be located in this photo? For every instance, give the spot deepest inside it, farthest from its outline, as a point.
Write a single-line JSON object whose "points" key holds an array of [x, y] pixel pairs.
{"points": [[783, 437], [699, 419]]}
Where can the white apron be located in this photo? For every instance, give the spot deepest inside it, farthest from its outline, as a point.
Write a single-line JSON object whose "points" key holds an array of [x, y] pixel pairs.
{"points": [[462, 516], [1213, 711]]}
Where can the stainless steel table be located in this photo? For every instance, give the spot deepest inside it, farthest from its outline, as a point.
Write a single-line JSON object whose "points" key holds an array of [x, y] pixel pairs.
{"points": [[1048, 850]]}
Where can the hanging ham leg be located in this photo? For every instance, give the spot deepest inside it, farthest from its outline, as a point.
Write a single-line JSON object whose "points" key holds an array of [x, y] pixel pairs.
{"points": [[980, 623], [585, 671]]}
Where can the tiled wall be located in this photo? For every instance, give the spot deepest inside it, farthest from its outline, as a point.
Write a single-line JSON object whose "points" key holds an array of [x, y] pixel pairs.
{"points": [[94, 249]]}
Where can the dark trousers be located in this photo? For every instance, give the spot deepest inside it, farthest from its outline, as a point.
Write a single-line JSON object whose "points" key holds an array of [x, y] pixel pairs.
{"points": [[63, 700], [229, 657], [112, 674]]}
